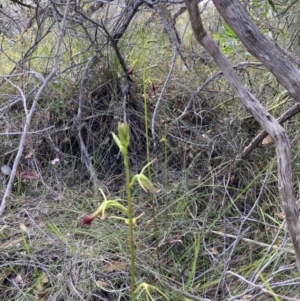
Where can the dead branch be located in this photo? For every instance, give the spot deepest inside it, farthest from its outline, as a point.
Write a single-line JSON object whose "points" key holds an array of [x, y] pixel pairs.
{"points": [[259, 137], [23, 4], [85, 157], [267, 121], [117, 35], [32, 110], [259, 46]]}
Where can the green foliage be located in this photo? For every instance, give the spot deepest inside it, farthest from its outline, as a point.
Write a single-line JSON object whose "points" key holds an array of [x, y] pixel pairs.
{"points": [[123, 142], [227, 39], [272, 5]]}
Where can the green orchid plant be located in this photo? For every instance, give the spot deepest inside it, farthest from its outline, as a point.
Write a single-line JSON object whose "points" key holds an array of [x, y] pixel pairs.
{"points": [[144, 182], [123, 141], [106, 204]]}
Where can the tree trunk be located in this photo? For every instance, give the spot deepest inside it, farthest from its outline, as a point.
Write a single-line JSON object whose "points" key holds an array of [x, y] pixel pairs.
{"points": [[268, 122], [258, 45]]}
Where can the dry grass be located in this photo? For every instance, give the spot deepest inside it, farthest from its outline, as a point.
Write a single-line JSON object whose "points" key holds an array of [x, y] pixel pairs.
{"points": [[220, 226]]}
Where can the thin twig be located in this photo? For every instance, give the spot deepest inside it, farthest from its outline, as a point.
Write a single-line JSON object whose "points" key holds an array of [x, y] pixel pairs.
{"points": [[295, 109], [265, 290], [85, 157], [188, 295], [32, 110], [212, 78], [22, 95], [171, 29], [161, 95], [258, 243]]}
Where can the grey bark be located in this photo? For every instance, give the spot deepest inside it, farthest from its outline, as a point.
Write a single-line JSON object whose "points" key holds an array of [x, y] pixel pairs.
{"points": [[295, 109], [259, 46]]}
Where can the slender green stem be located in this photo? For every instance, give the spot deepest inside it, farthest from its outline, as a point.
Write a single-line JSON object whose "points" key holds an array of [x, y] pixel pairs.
{"points": [[144, 43], [194, 264], [130, 220]]}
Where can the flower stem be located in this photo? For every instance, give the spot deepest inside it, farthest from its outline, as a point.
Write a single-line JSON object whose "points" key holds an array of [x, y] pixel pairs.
{"points": [[130, 220]]}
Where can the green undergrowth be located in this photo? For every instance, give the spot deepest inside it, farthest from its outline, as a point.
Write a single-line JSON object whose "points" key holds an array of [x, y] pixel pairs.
{"points": [[202, 248], [220, 230]]}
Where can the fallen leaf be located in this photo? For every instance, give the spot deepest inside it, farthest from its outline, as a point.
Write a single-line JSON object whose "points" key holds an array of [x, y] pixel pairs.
{"points": [[10, 244], [114, 266], [30, 154], [59, 197], [247, 297], [44, 278], [19, 279], [23, 228], [101, 283], [173, 241], [105, 141], [43, 294], [28, 175], [281, 215], [267, 140], [213, 251]]}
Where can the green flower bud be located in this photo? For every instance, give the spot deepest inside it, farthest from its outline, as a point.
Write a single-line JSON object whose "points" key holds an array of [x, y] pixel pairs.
{"points": [[117, 140], [146, 184], [124, 134]]}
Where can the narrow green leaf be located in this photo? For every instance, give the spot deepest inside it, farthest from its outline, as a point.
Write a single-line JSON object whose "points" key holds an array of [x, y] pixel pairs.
{"points": [[271, 3]]}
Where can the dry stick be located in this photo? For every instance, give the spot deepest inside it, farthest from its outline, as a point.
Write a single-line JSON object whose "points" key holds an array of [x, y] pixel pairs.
{"points": [[259, 138], [12, 102], [188, 295], [161, 95], [118, 54], [285, 52], [26, 55], [213, 77], [176, 50], [235, 15], [228, 257], [114, 39], [127, 19], [30, 114], [272, 126], [37, 14], [251, 241], [172, 33], [84, 153], [261, 287], [23, 4], [173, 288], [266, 262], [125, 89], [22, 95], [289, 54]]}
